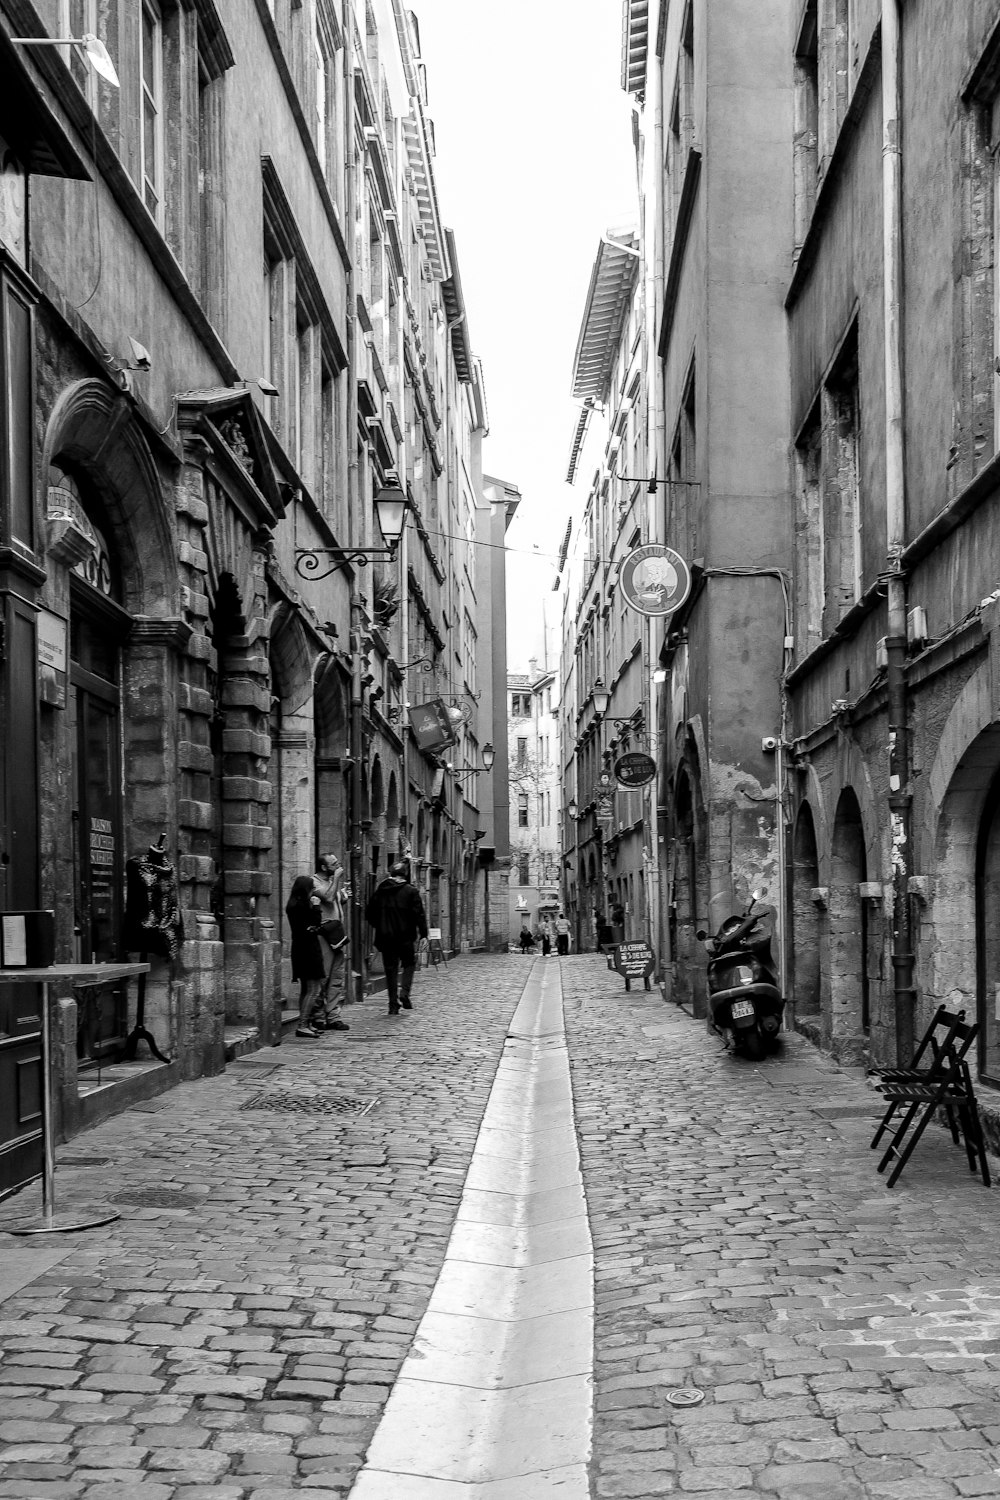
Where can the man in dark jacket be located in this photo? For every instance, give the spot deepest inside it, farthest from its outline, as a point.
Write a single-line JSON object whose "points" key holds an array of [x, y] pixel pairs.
{"points": [[397, 914]]}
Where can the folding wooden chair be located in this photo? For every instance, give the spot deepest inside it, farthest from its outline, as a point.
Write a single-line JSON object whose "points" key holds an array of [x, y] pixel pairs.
{"points": [[936, 1040], [946, 1084]]}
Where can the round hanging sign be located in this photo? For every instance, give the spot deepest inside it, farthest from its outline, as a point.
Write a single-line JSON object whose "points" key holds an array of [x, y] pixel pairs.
{"points": [[636, 768], [655, 580]]}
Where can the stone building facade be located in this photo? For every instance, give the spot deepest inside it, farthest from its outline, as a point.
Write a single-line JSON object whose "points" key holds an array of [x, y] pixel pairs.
{"points": [[818, 233], [240, 318], [535, 783], [893, 342], [610, 858]]}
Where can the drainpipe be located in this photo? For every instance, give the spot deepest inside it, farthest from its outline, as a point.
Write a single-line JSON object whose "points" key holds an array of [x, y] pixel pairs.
{"points": [[900, 798], [355, 988], [657, 822]]}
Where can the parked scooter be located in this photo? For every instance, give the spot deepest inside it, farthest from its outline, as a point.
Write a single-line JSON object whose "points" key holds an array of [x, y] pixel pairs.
{"points": [[744, 996]]}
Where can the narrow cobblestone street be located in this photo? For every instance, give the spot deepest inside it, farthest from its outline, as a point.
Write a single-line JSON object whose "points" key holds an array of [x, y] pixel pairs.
{"points": [[237, 1332]]}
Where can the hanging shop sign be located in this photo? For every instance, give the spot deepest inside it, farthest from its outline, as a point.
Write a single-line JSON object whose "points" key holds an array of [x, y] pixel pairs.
{"points": [[654, 580], [432, 724], [51, 658], [635, 768]]}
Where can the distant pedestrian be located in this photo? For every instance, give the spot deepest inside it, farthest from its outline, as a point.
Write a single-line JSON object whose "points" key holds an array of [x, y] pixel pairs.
{"points": [[562, 935], [332, 893], [397, 914], [304, 916], [527, 938], [545, 936]]}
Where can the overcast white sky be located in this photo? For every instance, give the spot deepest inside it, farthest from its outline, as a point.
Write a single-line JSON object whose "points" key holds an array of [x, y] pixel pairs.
{"points": [[534, 164]]}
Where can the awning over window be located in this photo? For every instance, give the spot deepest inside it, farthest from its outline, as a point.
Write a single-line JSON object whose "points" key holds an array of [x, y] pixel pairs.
{"points": [[29, 126], [612, 283]]}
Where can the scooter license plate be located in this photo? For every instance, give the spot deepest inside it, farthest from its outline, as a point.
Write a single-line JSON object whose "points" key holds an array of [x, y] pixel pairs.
{"points": [[741, 1008]]}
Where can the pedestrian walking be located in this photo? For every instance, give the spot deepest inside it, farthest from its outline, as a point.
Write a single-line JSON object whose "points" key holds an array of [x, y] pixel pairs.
{"points": [[397, 914], [527, 938], [304, 915], [545, 935], [332, 893], [562, 935]]}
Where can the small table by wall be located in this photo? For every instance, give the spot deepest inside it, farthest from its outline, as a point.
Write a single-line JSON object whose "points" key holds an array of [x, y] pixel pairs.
{"points": [[77, 975]]}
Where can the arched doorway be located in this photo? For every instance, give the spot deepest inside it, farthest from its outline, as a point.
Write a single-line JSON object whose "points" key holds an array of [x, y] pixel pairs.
{"points": [[376, 836], [392, 844], [806, 928], [956, 970], [291, 658], [988, 935], [330, 730], [850, 1007], [99, 629], [688, 953]]}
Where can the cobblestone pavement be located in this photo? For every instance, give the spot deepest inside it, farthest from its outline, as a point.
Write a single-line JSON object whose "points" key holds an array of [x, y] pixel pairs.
{"points": [[847, 1338], [236, 1333]]}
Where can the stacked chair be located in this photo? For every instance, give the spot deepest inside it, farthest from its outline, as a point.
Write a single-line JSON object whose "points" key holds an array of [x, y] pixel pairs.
{"points": [[937, 1078]]}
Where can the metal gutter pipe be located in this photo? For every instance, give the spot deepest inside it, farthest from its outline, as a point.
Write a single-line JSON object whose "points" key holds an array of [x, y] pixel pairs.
{"points": [[900, 796]]}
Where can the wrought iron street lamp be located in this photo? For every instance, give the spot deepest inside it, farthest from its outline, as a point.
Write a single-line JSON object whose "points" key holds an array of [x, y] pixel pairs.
{"points": [[602, 701], [391, 505], [489, 756]]}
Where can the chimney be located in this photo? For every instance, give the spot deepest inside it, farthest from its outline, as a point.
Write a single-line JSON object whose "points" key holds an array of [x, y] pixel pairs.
{"points": [[533, 667]]}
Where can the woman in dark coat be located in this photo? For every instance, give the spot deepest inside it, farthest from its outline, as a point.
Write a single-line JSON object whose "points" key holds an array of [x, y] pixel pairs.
{"points": [[304, 916]]}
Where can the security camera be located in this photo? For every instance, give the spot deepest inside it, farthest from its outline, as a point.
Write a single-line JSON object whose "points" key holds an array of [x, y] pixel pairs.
{"points": [[267, 386], [769, 744], [140, 356]]}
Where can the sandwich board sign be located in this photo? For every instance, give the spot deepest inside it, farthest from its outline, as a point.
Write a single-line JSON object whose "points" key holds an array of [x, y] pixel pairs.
{"points": [[634, 961]]}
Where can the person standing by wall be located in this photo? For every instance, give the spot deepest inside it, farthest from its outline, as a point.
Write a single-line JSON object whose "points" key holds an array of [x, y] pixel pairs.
{"points": [[304, 916], [330, 890], [562, 934], [397, 914]]}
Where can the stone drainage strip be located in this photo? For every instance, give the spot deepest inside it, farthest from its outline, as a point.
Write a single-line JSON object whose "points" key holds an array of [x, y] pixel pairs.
{"points": [[494, 1400]]}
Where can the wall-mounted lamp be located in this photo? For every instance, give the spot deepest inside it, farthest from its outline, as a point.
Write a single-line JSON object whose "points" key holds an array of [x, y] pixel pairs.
{"points": [[390, 510], [90, 45], [140, 356], [572, 807], [602, 700], [489, 756]]}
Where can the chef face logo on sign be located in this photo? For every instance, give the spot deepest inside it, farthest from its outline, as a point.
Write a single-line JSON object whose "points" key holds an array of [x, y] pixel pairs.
{"points": [[655, 580]]}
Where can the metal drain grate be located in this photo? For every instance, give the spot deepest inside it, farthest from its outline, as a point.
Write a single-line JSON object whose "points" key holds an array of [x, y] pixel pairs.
{"points": [[285, 1102], [156, 1198], [84, 1161]]}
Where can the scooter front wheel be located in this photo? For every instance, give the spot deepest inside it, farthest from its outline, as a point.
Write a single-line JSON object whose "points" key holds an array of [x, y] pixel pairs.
{"points": [[751, 1043]]}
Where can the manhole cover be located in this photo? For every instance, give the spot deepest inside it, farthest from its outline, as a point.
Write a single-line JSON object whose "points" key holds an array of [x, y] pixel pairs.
{"points": [[85, 1161], [156, 1198], [285, 1102], [687, 1396]]}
